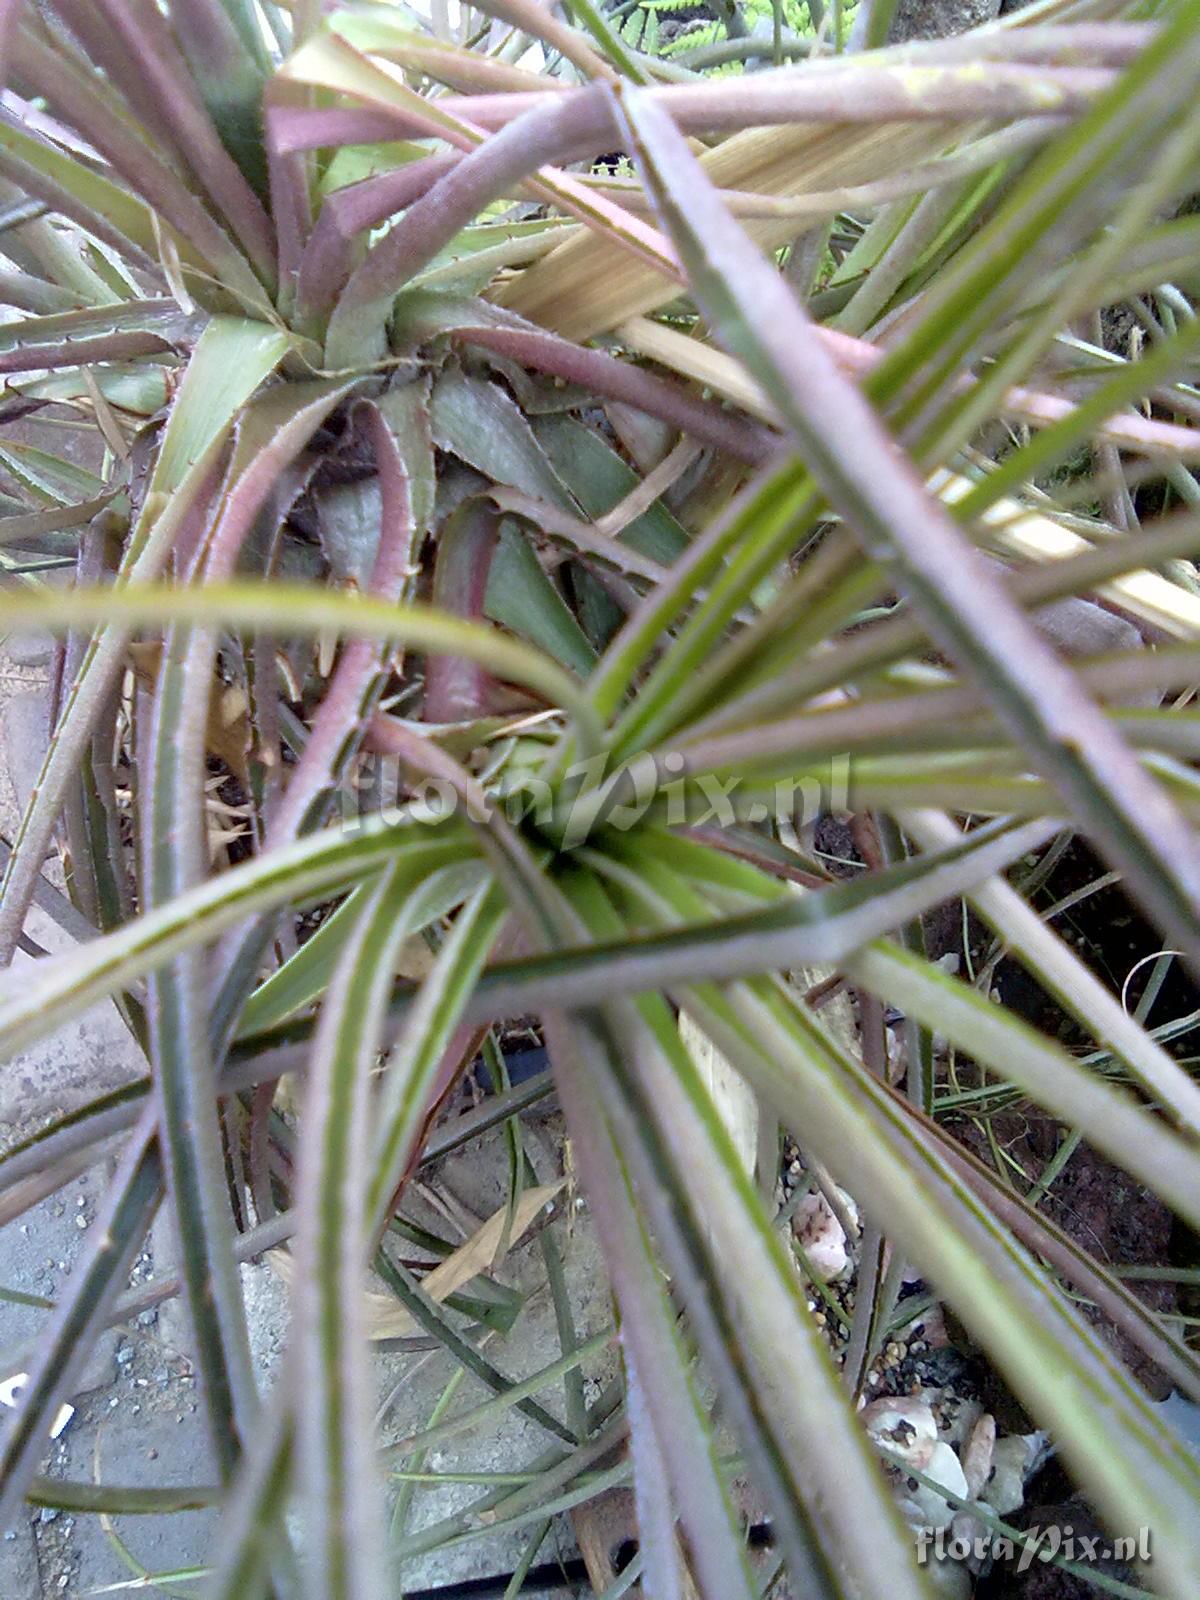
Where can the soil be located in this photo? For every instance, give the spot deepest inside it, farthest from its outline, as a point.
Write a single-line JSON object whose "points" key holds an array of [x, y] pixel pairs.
{"points": [[1103, 1210], [1117, 1220], [1042, 1581], [1100, 1206], [938, 19]]}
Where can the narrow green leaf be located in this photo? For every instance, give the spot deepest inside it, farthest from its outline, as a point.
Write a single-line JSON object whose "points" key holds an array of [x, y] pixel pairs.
{"points": [[484, 426], [413, 1060], [902, 526], [333, 1426], [522, 597], [314, 866], [296, 609]]}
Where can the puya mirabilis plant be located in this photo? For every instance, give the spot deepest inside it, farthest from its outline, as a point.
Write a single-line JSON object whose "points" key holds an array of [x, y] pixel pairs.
{"points": [[633, 511]]}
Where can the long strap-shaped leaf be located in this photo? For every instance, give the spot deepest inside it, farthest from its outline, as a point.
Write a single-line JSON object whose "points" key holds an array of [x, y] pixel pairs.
{"points": [[410, 1071], [819, 928], [1110, 1118], [1046, 956], [316, 865], [751, 1321], [770, 1416], [106, 210], [300, 609], [269, 436], [1136, 1467], [659, 1548], [398, 425], [1063, 200], [189, 1128], [270, 433], [490, 167], [773, 1414], [256, 1504], [776, 686], [138, 1184], [76, 338], [930, 718], [114, 30], [304, 976], [334, 1431], [679, 1427], [758, 529], [548, 918], [89, 106], [853, 457], [329, 1460]]}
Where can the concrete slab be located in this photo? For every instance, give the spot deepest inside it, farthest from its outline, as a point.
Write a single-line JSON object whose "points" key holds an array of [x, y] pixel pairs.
{"points": [[82, 1059], [95, 1051], [29, 649], [143, 1424], [25, 726], [37, 1253], [20, 1575], [36, 1256], [140, 1437], [139, 1423]]}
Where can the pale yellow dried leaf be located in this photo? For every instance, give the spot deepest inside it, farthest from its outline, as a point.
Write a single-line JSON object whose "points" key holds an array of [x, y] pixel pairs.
{"points": [[590, 284], [387, 1319]]}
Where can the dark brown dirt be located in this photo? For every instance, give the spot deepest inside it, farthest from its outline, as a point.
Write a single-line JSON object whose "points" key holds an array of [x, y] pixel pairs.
{"points": [[1102, 1209], [1041, 1581]]}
